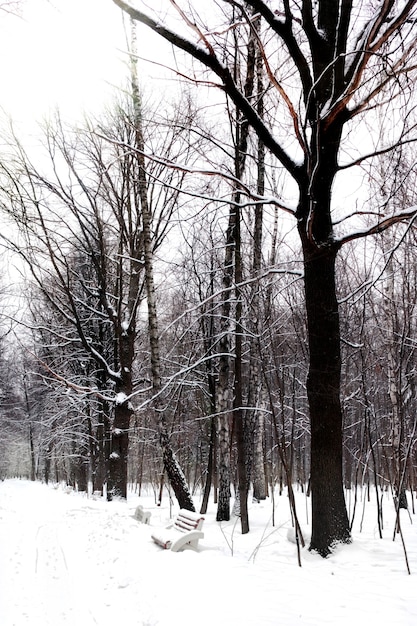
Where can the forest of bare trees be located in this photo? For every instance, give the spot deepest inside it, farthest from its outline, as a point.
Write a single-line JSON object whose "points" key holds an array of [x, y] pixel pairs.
{"points": [[217, 288]]}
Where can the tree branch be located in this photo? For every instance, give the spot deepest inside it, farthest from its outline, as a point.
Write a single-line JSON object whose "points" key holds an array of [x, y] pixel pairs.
{"points": [[211, 61], [285, 32], [407, 215]]}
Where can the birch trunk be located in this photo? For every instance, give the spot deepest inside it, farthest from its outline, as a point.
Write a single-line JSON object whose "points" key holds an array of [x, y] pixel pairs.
{"points": [[256, 465], [223, 385], [394, 389], [172, 467]]}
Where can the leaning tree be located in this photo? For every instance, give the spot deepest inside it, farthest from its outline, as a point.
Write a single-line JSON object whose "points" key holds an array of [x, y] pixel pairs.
{"points": [[339, 60]]}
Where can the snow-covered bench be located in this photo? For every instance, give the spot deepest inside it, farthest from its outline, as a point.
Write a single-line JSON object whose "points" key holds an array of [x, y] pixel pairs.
{"points": [[184, 533], [141, 515]]}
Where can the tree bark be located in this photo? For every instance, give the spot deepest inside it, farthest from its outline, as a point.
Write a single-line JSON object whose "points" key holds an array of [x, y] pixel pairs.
{"points": [[32, 454], [255, 461], [172, 467], [239, 418], [330, 523], [394, 387], [210, 467], [117, 483]]}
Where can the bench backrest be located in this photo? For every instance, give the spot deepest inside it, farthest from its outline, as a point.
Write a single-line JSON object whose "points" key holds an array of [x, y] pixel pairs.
{"points": [[141, 515], [187, 520]]}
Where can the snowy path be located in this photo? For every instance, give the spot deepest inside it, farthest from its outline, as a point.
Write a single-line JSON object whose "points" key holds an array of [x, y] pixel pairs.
{"points": [[72, 561], [40, 568], [59, 561]]}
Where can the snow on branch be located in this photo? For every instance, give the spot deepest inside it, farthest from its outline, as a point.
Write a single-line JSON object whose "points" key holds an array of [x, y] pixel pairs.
{"points": [[409, 214], [370, 155], [81, 389]]}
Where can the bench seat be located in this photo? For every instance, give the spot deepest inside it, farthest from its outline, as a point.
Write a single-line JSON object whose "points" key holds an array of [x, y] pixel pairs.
{"points": [[184, 533]]}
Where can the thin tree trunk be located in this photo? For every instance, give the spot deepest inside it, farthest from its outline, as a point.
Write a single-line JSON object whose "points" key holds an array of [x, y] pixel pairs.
{"points": [[208, 332], [172, 467], [240, 426], [31, 445], [394, 388], [210, 465], [223, 386], [256, 421], [32, 454], [238, 413]]}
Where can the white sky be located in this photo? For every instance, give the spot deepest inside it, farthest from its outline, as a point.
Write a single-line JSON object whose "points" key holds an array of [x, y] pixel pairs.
{"points": [[69, 53], [60, 52]]}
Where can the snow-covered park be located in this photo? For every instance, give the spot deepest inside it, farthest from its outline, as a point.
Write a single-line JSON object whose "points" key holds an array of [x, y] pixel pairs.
{"points": [[66, 558]]}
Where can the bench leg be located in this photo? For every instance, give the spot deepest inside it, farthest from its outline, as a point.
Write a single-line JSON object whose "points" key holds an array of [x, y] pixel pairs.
{"points": [[187, 541]]}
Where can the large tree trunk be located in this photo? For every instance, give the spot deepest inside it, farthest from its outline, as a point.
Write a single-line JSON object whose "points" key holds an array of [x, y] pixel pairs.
{"points": [[117, 484], [330, 522]]}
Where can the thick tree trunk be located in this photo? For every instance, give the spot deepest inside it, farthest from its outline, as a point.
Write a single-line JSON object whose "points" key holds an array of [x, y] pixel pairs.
{"points": [[330, 522], [123, 409], [117, 484]]}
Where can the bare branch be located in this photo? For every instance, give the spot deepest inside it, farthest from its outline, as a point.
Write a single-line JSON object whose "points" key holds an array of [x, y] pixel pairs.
{"points": [[211, 61], [409, 215]]}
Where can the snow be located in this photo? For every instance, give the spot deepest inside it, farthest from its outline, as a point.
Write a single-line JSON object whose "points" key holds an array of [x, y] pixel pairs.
{"points": [[66, 558], [120, 398]]}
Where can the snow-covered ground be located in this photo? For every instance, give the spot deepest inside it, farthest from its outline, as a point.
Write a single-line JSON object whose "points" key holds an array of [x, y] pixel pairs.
{"points": [[69, 559]]}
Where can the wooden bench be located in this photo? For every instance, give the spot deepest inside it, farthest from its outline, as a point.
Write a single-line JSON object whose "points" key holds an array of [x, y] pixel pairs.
{"points": [[184, 533], [141, 515]]}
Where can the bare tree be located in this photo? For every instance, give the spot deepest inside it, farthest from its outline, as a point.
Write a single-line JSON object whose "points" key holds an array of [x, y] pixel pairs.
{"points": [[348, 58], [81, 233]]}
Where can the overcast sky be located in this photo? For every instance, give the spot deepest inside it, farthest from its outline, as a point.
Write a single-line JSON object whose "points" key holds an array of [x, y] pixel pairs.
{"points": [[60, 52]]}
